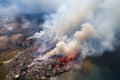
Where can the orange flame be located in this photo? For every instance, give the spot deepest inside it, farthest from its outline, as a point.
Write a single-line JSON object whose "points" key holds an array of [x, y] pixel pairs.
{"points": [[64, 60]]}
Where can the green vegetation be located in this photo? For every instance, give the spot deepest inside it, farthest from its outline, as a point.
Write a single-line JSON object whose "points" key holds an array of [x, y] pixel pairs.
{"points": [[4, 56], [3, 71]]}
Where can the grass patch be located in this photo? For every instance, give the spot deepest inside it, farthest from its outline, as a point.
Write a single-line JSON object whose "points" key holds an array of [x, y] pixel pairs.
{"points": [[3, 71], [6, 55]]}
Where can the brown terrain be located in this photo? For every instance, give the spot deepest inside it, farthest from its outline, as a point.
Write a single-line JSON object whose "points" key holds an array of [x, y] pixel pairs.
{"points": [[14, 43], [13, 40]]}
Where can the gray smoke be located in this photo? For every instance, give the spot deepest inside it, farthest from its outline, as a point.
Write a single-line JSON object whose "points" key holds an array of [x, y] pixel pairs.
{"points": [[100, 15], [15, 7], [89, 26]]}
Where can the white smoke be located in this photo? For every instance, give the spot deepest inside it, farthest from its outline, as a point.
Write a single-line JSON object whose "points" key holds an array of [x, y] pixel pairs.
{"points": [[65, 48], [35, 6], [15, 7], [106, 24], [69, 15], [67, 22], [11, 10]]}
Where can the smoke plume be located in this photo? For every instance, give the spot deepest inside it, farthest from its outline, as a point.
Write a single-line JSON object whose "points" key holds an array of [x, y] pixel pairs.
{"points": [[15, 7], [88, 27]]}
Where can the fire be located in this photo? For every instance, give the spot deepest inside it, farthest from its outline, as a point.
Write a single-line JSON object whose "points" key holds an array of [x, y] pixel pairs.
{"points": [[65, 60]]}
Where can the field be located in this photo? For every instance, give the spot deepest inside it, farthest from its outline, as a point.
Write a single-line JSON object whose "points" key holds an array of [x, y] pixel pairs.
{"points": [[3, 71], [4, 56]]}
